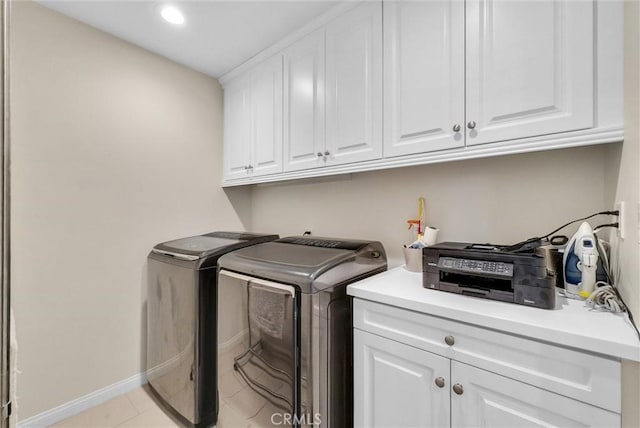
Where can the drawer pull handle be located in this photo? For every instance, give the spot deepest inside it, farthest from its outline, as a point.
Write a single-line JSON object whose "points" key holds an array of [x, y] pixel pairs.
{"points": [[449, 340], [440, 382], [457, 388]]}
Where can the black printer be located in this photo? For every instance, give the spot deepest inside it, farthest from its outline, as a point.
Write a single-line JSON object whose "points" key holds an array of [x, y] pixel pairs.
{"points": [[489, 272]]}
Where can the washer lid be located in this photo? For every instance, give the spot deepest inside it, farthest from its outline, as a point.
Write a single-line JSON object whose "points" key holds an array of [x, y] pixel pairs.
{"points": [[302, 261], [215, 243], [295, 259]]}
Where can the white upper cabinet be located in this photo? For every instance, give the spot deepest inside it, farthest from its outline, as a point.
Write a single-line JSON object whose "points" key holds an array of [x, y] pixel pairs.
{"points": [[333, 92], [424, 76], [530, 68], [354, 85], [237, 133], [381, 84], [304, 139], [266, 117], [253, 122], [527, 68]]}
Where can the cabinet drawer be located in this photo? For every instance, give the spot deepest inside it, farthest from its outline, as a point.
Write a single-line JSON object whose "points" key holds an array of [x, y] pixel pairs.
{"points": [[586, 377]]}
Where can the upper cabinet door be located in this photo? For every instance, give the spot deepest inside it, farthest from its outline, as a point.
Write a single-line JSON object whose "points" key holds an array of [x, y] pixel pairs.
{"points": [[424, 76], [304, 103], [236, 159], [266, 117], [354, 85], [529, 68]]}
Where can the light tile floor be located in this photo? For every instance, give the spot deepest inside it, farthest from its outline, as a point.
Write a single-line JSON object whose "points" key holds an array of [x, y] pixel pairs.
{"points": [[134, 409], [139, 408]]}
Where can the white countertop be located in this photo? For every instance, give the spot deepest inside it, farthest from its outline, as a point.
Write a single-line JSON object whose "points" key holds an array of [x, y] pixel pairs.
{"points": [[569, 324]]}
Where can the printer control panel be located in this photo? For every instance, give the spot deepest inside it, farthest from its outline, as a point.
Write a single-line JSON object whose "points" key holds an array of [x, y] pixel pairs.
{"points": [[476, 266]]}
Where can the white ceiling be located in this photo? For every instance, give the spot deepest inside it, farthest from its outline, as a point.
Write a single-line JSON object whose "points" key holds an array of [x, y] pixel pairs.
{"points": [[216, 37]]}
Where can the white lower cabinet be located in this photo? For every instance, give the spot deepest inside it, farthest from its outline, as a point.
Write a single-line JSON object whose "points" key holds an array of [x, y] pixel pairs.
{"points": [[395, 384], [437, 379], [480, 398]]}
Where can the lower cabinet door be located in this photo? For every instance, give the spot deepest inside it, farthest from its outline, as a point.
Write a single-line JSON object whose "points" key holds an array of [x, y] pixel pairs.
{"points": [[397, 385], [483, 399]]}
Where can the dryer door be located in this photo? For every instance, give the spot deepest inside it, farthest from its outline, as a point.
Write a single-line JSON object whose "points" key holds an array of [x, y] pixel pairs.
{"points": [[258, 350]]}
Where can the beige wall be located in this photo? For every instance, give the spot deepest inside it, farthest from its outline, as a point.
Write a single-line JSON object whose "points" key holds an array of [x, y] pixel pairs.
{"points": [[500, 200], [114, 150]]}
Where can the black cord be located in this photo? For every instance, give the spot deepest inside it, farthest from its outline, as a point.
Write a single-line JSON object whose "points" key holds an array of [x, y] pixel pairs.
{"points": [[602, 226], [537, 241], [581, 219], [633, 322]]}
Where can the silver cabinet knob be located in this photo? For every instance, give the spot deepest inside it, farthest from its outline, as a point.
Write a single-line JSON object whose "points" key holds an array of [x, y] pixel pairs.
{"points": [[456, 128], [440, 382], [471, 125], [326, 153], [457, 388], [449, 340], [319, 154]]}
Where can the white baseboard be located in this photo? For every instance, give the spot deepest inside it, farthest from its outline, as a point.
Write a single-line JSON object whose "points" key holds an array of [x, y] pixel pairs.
{"points": [[81, 404]]}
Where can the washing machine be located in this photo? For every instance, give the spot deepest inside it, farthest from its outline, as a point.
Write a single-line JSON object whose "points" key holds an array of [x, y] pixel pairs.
{"points": [[181, 322], [285, 330]]}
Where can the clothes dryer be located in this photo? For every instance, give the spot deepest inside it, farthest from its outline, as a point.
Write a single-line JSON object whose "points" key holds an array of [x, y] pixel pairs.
{"points": [[181, 321]]}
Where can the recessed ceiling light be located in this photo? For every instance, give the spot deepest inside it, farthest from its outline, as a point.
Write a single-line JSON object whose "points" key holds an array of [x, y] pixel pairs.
{"points": [[172, 15]]}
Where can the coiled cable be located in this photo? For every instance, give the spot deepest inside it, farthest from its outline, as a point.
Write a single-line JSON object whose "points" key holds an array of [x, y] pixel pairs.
{"points": [[605, 297]]}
